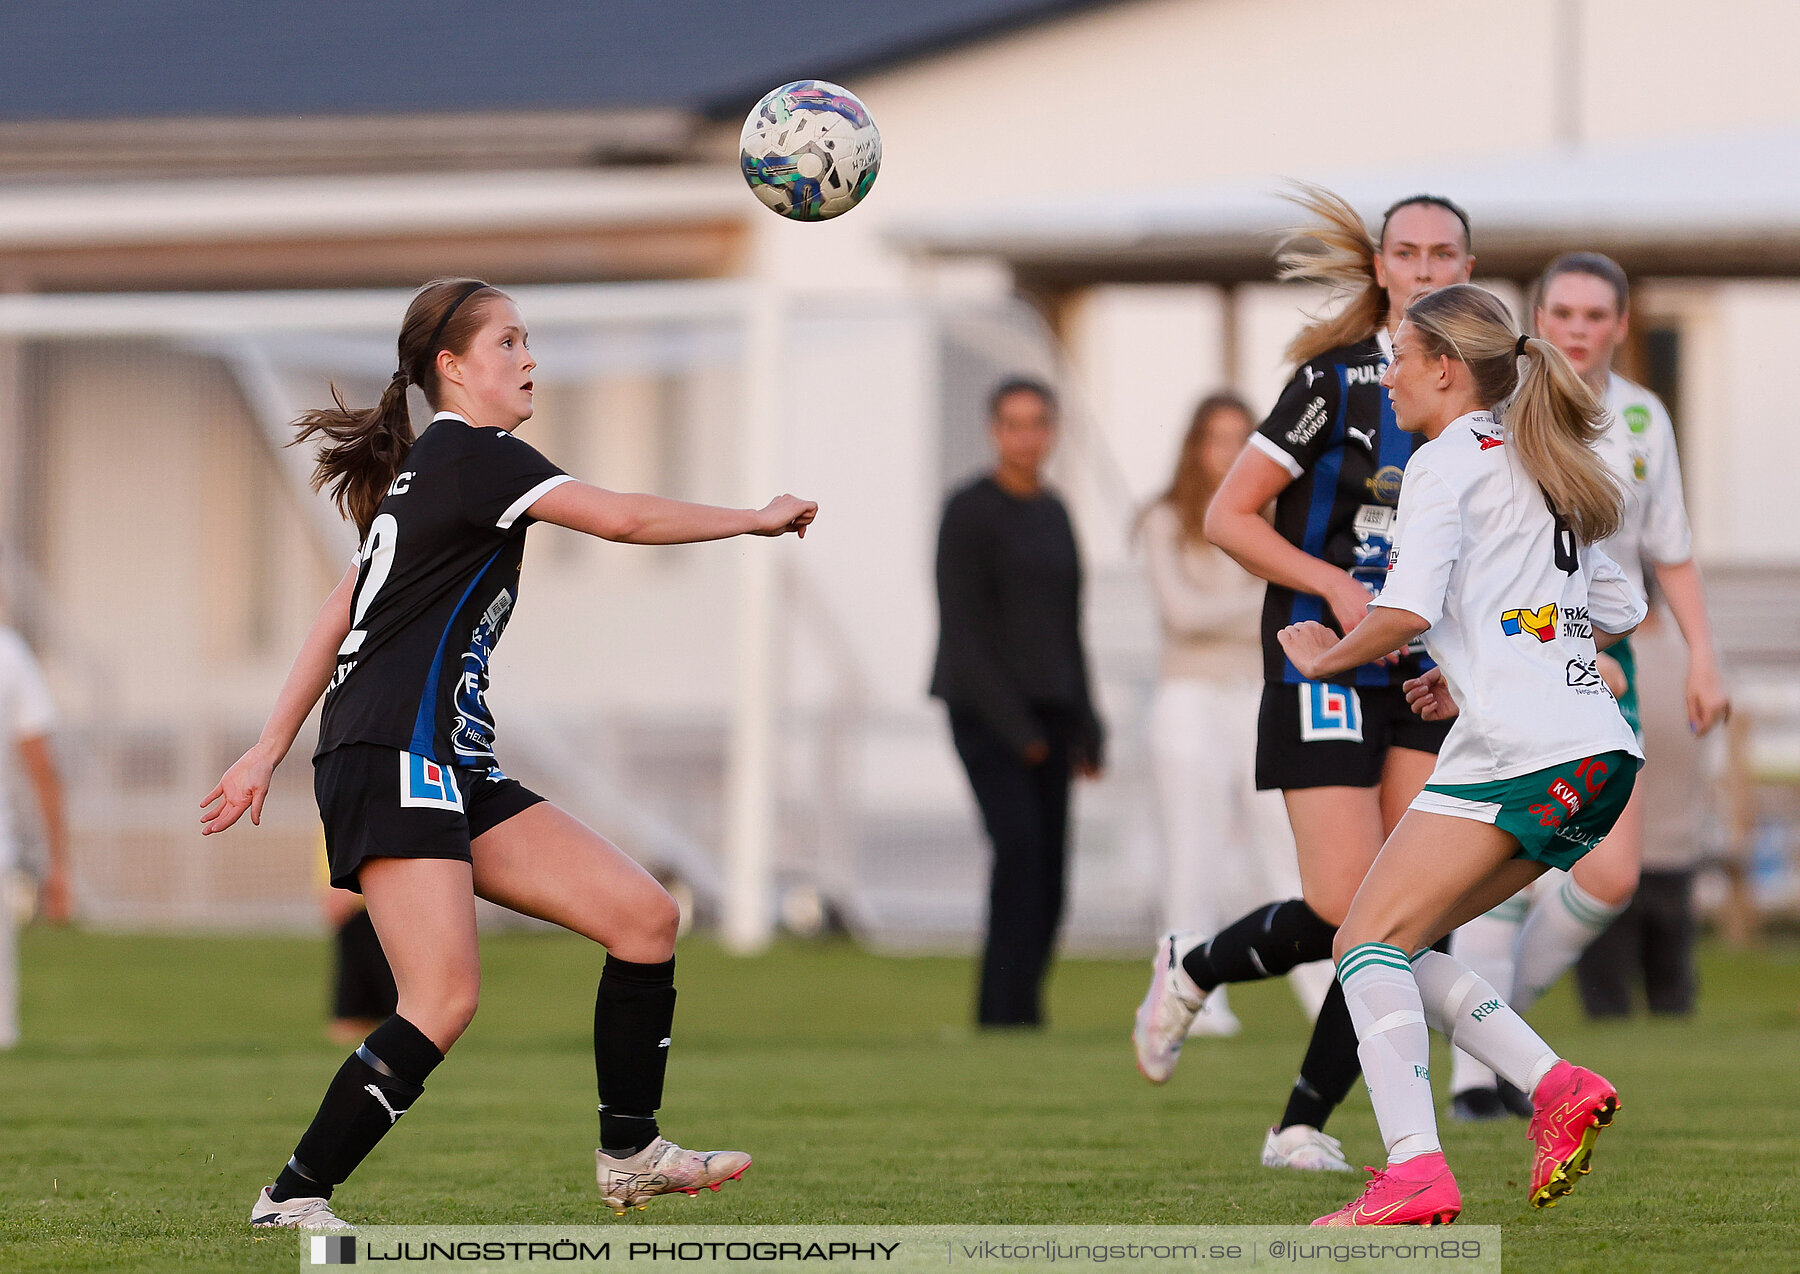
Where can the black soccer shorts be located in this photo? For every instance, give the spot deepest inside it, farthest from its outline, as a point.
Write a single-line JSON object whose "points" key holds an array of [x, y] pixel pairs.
{"points": [[381, 802], [1312, 734]]}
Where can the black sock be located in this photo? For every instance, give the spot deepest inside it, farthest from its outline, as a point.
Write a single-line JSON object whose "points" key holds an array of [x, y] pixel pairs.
{"points": [[1264, 944], [1330, 1068], [375, 1086], [634, 1011]]}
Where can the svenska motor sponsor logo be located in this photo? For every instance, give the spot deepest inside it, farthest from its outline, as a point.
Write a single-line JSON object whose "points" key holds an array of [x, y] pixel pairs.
{"points": [[1311, 421]]}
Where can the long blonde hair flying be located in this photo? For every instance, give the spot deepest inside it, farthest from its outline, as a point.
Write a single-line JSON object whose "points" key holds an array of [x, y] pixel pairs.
{"points": [[1336, 249], [1552, 419]]}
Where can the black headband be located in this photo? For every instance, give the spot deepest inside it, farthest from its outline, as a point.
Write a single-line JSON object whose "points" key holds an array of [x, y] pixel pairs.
{"points": [[1519, 347], [469, 290]]}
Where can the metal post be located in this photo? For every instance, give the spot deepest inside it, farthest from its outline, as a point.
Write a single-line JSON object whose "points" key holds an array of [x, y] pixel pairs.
{"points": [[1231, 337], [749, 910]]}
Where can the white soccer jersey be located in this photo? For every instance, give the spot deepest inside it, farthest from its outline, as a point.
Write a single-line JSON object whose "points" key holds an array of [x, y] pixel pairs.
{"points": [[1512, 602], [1639, 447], [26, 712]]}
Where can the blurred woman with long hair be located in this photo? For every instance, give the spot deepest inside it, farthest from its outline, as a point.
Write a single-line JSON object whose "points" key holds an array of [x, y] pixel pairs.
{"points": [[1225, 845]]}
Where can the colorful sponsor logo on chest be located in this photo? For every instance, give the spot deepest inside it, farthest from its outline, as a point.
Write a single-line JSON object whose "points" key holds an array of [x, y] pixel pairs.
{"points": [[1540, 623]]}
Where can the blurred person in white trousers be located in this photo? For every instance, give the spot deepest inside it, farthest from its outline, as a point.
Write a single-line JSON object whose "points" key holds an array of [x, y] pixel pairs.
{"points": [[1226, 846], [27, 714]]}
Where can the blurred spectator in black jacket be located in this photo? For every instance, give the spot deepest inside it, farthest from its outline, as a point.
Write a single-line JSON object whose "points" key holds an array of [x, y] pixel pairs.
{"points": [[1011, 670]]}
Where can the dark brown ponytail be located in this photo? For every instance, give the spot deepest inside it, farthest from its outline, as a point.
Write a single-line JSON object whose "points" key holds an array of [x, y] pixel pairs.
{"points": [[364, 449]]}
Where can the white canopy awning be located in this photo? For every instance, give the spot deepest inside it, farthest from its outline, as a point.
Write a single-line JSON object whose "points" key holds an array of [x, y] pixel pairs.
{"points": [[1699, 207]]}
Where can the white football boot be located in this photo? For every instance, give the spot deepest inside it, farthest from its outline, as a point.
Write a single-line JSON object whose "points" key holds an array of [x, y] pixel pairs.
{"points": [[1305, 1149], [662, 1167], [1168, 1009], [296, 1214]]}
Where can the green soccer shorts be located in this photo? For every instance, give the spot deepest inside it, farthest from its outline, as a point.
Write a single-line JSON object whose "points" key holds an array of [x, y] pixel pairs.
{"points": [[1556, 814]]}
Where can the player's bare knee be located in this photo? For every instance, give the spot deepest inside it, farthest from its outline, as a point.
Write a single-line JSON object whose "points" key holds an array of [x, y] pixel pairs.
{"points": [[457, 1010], [1612, 883], [659, 922], [442, 1011], [641, 929]]}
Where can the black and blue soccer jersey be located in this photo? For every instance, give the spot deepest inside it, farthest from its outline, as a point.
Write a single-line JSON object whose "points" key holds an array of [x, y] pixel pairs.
{"points": [[438, 579], [1333, 430]]}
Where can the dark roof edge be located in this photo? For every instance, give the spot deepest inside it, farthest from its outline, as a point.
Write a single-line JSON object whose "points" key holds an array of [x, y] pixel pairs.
{"points": [[731, 103]]}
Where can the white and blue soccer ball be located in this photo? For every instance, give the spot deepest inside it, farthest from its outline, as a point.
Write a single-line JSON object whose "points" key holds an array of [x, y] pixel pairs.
{"points": [[810, 151]]}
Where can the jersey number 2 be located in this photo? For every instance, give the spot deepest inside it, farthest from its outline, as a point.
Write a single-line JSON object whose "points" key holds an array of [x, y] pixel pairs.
{"points": [[378, 552]]}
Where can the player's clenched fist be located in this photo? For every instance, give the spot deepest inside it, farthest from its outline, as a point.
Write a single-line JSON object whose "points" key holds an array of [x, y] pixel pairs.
{"points": [[1428, 694], [786, 513]]}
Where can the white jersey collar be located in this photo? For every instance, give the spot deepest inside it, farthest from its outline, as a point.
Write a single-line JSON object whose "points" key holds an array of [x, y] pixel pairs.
{"points": [[1480, 421]]}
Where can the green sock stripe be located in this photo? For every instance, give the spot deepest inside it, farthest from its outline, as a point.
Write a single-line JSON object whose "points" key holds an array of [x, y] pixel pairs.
{"points": [[1373, 951], [1349, 968], [1414, 957], [1368, 955], [1375, 948], [1512, 911], [1582, 910]]}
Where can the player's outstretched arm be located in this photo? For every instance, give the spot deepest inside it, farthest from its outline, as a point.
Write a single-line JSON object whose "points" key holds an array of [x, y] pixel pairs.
{"points": [[655, 519], [246, 784], [1320, 654]]}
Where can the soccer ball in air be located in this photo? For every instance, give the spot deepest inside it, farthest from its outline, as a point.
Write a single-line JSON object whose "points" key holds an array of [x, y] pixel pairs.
{"points": [[810, 151]]}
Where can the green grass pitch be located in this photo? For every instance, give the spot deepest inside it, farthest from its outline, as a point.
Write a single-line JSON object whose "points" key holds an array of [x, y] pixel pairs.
{"points": [[163, 1080]]}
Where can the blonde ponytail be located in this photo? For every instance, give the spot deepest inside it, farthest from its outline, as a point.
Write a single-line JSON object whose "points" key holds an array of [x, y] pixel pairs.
{"points": [[1337, 251], [1552, 419]]}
